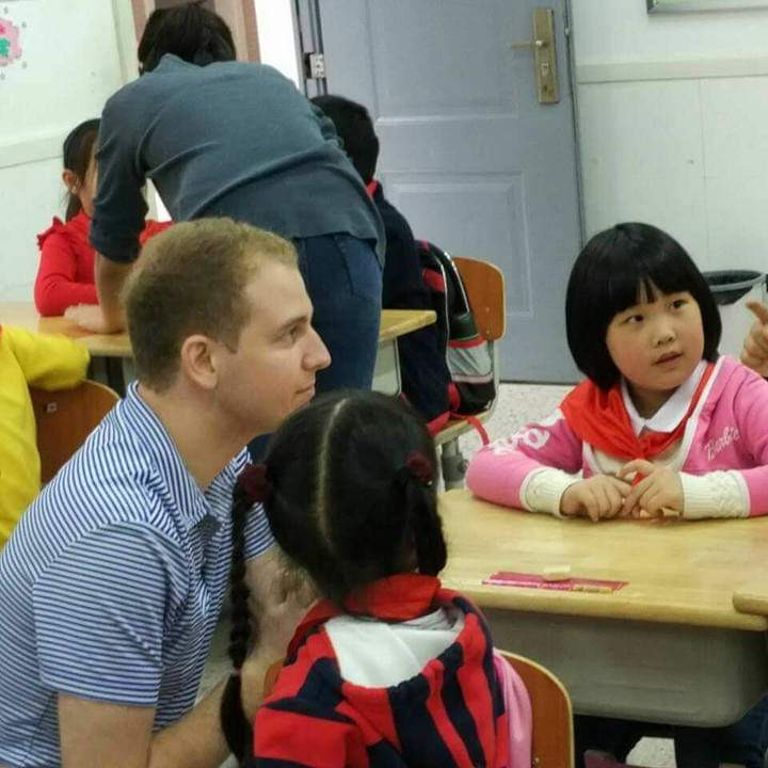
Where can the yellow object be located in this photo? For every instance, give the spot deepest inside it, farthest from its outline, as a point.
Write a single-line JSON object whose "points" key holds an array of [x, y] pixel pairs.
{"points": [[28, 359]]}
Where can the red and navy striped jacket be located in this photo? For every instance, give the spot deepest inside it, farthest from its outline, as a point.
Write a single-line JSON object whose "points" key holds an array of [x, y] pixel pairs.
{"points": [[451, 714]]}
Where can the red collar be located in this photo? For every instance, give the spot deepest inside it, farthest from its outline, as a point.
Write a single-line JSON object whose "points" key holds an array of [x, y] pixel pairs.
{"points": [[394, 598], [601, 419]]}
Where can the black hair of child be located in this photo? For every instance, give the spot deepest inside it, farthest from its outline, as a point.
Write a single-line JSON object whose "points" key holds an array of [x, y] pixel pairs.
{"points": [[346, 507], [614, 269], [191, 32], [355, 129], [77, 152]]}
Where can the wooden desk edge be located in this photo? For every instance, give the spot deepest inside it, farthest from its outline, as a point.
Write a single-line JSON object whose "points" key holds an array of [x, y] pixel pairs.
{"points": [[610, 607], [393, 326], [752, 601], [394, 323]]}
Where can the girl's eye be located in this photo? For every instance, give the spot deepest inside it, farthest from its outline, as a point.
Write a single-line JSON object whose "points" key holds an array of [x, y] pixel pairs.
{"points": [[633, 319], [677, 303]]}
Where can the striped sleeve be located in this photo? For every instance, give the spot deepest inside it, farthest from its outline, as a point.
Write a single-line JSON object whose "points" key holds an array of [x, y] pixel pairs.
{"points": [[258, 534], [104, 639]]}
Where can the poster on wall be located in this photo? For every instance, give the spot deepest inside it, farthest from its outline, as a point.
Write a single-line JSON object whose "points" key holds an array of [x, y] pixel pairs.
{"points": [[11, 30], [10, 46]]}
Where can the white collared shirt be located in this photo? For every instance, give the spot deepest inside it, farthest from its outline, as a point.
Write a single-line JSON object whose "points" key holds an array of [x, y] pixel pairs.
{"points": [[672, 412]]}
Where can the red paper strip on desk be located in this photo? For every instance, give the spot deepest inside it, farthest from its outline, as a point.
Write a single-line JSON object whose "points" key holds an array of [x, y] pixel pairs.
{"points": [[535, 581]]}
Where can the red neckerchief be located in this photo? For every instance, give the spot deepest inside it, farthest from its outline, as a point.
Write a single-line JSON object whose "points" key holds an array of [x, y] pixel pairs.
{"points": [[601, 419], [394, 598], [371, 187]]}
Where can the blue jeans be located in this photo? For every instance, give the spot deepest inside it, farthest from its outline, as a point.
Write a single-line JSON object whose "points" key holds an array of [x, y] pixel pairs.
{"points": [[343, 279]]}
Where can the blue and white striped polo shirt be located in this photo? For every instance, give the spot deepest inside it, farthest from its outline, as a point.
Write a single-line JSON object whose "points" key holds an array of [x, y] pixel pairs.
{"points": [[111, 585]]}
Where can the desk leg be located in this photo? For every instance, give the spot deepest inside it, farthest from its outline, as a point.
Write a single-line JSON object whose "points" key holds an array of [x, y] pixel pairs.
{"points": [[115, 372], [386, 374]]}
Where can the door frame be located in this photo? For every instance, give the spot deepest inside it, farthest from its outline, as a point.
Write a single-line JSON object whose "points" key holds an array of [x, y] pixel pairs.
{"points": [[240, 15]]}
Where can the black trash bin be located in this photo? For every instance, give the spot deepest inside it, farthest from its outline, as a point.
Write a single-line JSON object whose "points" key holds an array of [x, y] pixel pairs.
{"points": [[732, 289]]}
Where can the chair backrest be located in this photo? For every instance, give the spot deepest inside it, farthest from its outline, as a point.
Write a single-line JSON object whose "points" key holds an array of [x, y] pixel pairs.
{"points": [[552, 714], [65, 418], [484, 283]]}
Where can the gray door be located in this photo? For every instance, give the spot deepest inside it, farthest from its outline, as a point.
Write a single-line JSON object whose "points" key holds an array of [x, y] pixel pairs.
{"points": [[468, 154]]}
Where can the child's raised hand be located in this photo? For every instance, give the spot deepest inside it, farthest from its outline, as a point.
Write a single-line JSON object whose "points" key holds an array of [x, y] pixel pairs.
{"points": [[754, 354], [659, 489], [597, 497]]}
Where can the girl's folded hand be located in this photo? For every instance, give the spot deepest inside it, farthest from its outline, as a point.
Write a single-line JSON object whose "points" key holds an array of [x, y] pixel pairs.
{"points": [[659, 489], [597, 497]]}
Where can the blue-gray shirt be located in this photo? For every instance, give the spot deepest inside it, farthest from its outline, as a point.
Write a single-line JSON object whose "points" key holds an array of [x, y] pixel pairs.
{"points": [[228, 139]]}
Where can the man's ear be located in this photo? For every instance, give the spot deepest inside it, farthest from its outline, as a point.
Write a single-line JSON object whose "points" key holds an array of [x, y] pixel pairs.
{"points": [[198, 361]]}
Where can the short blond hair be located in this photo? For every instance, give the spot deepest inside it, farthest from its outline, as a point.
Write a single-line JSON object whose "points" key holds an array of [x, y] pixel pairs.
{"points": [[191, 279]]}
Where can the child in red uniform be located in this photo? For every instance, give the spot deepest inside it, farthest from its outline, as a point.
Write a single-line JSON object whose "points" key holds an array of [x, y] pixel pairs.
{"points": [[389, 669], [65, 274]]}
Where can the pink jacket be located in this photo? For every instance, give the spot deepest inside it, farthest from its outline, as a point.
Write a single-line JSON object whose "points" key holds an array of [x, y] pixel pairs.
{"points": [[727, 431], [517, 703]]}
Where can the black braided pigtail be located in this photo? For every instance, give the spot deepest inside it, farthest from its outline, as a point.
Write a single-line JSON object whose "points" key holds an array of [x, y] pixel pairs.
{"points": [[235, 725]]}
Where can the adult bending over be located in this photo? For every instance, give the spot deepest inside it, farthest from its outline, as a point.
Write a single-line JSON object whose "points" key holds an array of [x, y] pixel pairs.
{"points": [[225, 138]]}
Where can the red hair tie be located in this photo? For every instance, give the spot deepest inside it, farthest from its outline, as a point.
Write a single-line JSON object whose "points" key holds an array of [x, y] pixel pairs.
{"points": [[420, 467], [253, 480]]}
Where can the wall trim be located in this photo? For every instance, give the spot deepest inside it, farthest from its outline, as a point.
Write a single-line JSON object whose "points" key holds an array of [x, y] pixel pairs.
{"points": [[684, 69], [44, 146]]}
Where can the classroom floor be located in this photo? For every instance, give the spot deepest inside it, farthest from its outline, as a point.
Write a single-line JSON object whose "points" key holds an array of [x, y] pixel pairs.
{"points": [[517, 405]]}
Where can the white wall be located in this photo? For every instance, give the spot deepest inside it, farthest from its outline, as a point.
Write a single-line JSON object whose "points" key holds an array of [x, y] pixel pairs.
{"points": [[73, 59], [673, 118]]}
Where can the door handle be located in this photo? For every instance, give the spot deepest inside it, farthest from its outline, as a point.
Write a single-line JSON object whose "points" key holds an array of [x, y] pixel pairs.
{"points": [[544, 55]]}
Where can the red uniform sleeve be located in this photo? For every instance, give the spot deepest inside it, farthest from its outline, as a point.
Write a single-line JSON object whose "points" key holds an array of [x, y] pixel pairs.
{"points": [[153, 228], [55, 285]]}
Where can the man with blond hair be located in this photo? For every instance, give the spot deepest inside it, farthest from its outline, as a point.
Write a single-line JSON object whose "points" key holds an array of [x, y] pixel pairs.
{"points": [[112, 584]]}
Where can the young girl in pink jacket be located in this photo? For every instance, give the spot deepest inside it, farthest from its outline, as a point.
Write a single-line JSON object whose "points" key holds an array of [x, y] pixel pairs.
{"points": [[661, 426]]}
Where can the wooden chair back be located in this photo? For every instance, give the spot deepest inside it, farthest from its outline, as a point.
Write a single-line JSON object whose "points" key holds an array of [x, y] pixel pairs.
{"points": [[65, 418], [552, 742], [484, 283]]}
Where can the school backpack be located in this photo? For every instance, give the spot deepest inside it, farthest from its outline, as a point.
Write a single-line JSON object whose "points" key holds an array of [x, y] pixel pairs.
{"points": [[471, 387]]}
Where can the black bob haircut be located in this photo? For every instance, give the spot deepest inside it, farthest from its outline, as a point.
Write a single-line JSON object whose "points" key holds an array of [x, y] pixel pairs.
{"points": [[191, 32], [355, 128], [613, 270]]}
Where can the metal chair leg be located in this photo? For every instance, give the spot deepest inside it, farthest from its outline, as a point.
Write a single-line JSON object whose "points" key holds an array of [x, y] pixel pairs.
{"points": [[453, 465]]}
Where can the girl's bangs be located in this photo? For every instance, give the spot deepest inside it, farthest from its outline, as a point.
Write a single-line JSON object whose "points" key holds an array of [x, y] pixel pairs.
{"points": [[636, 279]]}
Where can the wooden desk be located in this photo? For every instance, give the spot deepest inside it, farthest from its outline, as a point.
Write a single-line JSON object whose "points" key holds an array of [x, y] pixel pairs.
{"points": [[394, 323], [669, 646], [24, 315]]}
